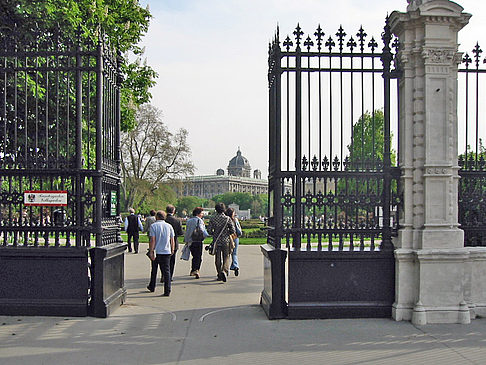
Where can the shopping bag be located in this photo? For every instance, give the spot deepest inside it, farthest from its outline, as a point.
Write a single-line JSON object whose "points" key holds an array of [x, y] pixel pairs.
{"points": [[186, 253]]}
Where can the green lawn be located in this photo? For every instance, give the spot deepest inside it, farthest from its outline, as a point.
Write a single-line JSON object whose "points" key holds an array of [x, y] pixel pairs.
{"points": [[258, 240], [143, 238], [252, 241], [244, 241]]}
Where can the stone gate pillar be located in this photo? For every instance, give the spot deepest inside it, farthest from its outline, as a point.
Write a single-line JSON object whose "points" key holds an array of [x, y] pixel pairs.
{"points": [[430, 254]]}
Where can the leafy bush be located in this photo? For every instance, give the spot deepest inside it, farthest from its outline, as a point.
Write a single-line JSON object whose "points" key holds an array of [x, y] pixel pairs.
{"points": [[258, 233], [251, 224]]}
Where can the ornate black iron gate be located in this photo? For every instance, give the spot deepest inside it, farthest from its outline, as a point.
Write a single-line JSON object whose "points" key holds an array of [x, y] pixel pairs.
{"points": [[472, 160], [333, 179], [59, 175]]}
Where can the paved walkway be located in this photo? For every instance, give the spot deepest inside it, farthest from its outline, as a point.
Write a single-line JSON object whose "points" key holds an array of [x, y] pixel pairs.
{"points": [[208, 322]]}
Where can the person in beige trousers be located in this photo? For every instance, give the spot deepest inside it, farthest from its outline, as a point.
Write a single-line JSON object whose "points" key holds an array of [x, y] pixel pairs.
{"points": [[221, 227]]}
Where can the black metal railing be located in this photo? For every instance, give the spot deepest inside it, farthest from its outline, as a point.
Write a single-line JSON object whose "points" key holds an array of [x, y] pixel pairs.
{"points": [[333, 179], [472, 185], [59, 132]]}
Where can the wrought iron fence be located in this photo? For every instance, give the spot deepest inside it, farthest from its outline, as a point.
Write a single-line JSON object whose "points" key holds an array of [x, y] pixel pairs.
{"points": [[333, 175], [59, 123], [472, 130]]}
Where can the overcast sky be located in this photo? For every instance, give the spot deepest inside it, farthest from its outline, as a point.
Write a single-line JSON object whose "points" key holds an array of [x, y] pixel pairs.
{"points": [[211, 57]]}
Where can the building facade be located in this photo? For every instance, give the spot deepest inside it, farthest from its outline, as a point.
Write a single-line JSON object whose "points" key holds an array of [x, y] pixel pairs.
{"points": [[238, 180]]}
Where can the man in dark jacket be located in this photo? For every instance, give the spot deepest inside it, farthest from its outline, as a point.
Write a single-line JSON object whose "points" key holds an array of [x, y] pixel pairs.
{"points": [[176, 224], [133, 225]]}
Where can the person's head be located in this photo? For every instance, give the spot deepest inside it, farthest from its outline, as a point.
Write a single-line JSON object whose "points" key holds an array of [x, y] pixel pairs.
{"points": [[170, 209], [220, 208], [230, 212], [131, 211], [197, 211], [152, 213], [160, 215]]}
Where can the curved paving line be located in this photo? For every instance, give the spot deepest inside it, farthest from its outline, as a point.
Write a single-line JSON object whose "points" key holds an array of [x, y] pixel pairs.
{"points": [[174, 316], [201, 319]]}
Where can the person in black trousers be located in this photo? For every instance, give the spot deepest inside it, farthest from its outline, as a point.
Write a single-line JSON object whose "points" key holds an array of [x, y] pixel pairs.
{"points": [[161, 247], [196, 247], [133, 225], [176, 225]]}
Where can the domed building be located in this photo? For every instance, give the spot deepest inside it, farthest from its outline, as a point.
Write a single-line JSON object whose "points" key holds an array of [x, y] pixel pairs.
{"points": [[239, 179], [239, 166]]}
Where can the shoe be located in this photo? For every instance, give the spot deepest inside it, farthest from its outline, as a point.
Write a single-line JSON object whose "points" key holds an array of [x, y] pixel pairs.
{"points": [[196, 274], [219, 277], [136, 252], [237, 271], [150, 289], [166, 294], [223, 277]]}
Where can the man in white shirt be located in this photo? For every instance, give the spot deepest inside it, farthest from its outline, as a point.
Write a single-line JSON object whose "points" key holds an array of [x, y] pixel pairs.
{"points": [[161, 247]]}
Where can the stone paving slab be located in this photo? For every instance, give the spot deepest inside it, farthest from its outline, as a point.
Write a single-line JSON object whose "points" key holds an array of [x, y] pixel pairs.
{"points": [[208, 322]]}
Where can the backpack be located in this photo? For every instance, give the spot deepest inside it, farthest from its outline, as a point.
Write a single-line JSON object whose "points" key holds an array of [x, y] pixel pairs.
{"points": [[198, 234]]}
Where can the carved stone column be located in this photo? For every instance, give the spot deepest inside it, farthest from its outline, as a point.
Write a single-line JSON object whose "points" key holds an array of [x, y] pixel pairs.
{"points": [[430, 255]]}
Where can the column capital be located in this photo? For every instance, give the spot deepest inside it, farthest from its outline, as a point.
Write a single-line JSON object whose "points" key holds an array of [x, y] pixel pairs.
{"points": [[421, 12], [434, 7]]}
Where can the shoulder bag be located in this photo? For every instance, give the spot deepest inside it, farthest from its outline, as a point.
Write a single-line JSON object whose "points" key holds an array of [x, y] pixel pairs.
{"points": [[198, 234]]}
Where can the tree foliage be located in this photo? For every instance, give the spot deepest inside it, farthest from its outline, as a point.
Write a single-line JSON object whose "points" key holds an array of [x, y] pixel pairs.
{"points": [[123, 22], [475, 158], [366, 151], [242, 199], [368, 139], [186, 204], [151, 155], [148, 198], [257, 203]]}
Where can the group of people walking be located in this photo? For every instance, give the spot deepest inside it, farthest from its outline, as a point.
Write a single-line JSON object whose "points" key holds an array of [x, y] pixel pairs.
{"points": [[163, 229], [225, 229]]}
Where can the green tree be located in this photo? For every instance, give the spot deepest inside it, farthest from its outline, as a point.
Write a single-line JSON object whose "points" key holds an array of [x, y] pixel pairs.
{"points": [[242, 199], [149, 198], [257, 203], [151, 155], [366, 152], [368, 141], [473, 159], [186, 204], [158, 199], [123, 22]]}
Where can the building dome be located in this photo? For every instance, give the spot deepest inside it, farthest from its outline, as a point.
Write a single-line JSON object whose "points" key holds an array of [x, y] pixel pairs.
{"points": [[220, 172], [239, 165]]}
